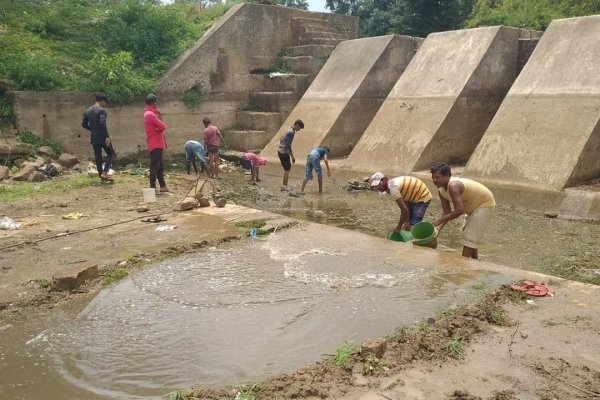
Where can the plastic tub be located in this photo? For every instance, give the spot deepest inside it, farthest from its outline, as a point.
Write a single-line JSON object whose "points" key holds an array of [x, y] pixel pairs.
{"points": [[149, 195], [402, 236]]}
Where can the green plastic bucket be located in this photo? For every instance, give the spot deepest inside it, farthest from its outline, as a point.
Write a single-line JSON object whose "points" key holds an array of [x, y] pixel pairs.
{"points": [[424, 233], [402, 236]]}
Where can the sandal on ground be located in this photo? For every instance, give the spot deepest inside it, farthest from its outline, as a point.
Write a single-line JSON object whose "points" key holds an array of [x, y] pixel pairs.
{"points": [[533, 289]]}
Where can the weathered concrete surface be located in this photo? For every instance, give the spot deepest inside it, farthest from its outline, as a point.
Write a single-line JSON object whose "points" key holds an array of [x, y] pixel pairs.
{"points": [[348, 91], [248, 37], [57, 115], [444, 101], [547, 131]]}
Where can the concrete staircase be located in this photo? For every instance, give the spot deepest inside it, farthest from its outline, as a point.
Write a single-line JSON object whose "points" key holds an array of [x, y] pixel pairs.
{"points": [[274, 95]]}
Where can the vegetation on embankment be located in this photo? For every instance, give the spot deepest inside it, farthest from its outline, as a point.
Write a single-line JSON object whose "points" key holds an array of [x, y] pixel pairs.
{"points": [[120, 47], [421, 17]]}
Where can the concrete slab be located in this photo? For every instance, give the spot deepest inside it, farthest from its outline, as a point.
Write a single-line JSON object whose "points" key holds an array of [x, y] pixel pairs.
{"points": [[347, 93], [442, 104], [547, 131]]}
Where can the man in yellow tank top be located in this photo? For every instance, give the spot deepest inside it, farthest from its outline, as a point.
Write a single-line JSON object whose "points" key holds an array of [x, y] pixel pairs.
{"points": [[468, 197], [411, 195]]}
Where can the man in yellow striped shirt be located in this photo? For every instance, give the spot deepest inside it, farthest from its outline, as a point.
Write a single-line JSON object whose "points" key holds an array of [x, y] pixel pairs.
{"points": [[468, 197], [411, 194]]}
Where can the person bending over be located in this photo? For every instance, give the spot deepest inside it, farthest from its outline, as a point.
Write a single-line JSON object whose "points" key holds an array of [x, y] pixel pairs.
{"points": [[313, 161], [467, 197]]}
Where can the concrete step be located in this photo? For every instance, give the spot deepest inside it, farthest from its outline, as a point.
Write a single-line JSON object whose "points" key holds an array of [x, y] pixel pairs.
{"points": [[317, 28], [305, 64], [300, 41], [315, 50], [279, 83], [259, 121], [242, 140], [302, 21], [282, 102], [324, 35]]}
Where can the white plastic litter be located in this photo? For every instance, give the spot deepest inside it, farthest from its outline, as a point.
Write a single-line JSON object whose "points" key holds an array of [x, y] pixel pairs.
{"points": [[276, 74], [530, 302], [8, 224], [165, 228]]}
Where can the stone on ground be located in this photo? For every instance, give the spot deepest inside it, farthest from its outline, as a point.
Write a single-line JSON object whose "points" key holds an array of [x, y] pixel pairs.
{"points": [[4, 173], [373, 346], [68, 160], [12, 149], [36, 176], [46, 151], [188, 203], [24, 173]]}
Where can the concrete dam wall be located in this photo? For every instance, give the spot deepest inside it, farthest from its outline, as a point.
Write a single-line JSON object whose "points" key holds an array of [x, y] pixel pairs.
{"points": [[347, 92], [547, 131], [441, 106]]}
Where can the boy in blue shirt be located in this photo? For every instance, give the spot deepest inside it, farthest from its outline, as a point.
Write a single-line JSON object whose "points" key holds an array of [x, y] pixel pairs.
{"points": [[194, 150], [313, 161]]}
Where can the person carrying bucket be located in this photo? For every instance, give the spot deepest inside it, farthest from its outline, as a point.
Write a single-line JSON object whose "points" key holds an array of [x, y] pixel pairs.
{"points": [[468, 197], [410, 193]]}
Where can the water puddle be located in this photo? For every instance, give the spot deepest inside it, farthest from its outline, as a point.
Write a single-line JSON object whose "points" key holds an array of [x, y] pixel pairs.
{"points": [[233, 314]]}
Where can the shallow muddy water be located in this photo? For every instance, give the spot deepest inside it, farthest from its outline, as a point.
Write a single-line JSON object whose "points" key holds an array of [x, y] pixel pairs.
{"points": [[233, 314], [517, 237]]}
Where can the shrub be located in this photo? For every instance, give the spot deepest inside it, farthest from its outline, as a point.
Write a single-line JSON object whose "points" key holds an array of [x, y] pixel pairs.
{"points": [[46, 45], [344, 353], [6, 111], [192, 97], [27, 136]]}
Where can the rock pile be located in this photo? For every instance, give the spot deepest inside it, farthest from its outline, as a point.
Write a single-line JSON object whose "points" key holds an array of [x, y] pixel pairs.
{"points": [[40, 169]]}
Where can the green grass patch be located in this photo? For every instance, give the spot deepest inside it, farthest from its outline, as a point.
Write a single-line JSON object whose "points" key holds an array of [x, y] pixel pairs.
{"points": [[180, 395], [245, 393], [280, 65], [114, 276], [455, 347], [344, 353], [16, 191], [44, 283], [495, 314]]}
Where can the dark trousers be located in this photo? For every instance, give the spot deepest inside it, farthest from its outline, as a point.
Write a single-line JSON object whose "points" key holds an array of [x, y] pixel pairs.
{"points": [[98, 156], [156, 168]]}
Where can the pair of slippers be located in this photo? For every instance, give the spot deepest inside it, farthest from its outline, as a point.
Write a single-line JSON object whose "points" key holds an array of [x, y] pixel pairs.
{"points": [[533, 289]]}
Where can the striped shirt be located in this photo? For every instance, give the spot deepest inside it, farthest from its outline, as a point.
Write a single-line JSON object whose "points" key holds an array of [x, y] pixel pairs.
{"points": [[474, 196], [410, 189]]}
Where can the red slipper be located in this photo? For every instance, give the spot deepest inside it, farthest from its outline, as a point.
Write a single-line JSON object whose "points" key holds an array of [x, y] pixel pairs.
{"points": [[533, 289]]}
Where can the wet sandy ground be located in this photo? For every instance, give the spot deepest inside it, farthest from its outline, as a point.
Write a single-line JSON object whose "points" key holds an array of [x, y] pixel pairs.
{"points": [[565, 247]]}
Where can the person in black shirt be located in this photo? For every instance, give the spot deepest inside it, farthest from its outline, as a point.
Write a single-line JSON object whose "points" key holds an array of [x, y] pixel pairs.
{"points": [[94, 120]]}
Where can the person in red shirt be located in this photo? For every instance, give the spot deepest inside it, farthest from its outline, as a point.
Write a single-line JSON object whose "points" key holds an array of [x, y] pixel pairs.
{"points": [[252, 162], [212, 138], [155, 139]]}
